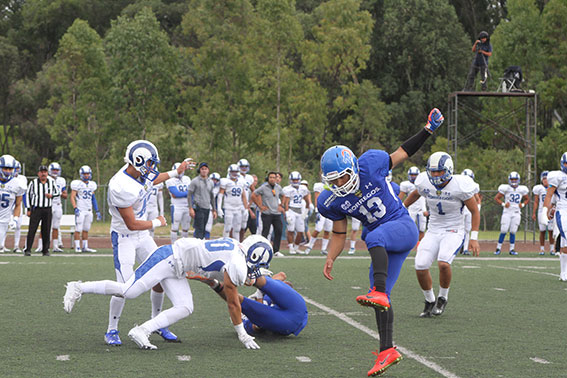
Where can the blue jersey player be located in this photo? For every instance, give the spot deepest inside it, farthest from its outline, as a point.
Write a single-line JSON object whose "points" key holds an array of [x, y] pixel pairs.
{"points": [[359, 188]]}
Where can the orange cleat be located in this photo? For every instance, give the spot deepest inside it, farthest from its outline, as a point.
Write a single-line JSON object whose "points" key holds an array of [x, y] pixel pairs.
{"points": [[384, 360], [374, 299]]}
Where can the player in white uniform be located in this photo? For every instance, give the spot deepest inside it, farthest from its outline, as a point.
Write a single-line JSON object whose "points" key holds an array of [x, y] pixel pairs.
{"points": [[225, 260], [418, 210], [248, 182], [512, 197], [215, 178], [557, 181], [178, 188], [11, 192], [321, 223], [446, 195], [539, 191], [155, 204], [56, 205], [83, 200], [18, 229], [293, 194], [128, 194], [467, 213], [232, 192], [306, 211]]}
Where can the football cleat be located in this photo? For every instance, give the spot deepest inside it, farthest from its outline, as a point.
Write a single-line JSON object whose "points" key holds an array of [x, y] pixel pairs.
{"points": [[278, 254], [72, 295], [57, 249], [439, 306], [90, 250], [4, 249], [307, 250], [427, 310], [513, 253], [141, 338], [375, 299], [17, 250], [167, 335], [541, 253], [324, 253], [78, 250], [384, 360], [466, 252], [292, 251], [497, 252], [112, 338], [351, 251], [563, 277], [38, 249]]}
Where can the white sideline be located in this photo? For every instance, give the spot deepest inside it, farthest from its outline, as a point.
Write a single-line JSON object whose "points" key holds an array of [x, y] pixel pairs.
{"points": [[406, 352]]}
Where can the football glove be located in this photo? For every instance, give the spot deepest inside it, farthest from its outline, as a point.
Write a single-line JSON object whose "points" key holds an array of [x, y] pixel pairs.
{"points": [[13, 223], [98, 216], [434, 120], [245, 338], [77, 211]]}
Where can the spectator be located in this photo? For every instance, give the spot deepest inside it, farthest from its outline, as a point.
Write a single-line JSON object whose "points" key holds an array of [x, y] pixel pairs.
{"points": [[252, 223], [40, 194], [483, 50], [201, 200], [268, 199]]}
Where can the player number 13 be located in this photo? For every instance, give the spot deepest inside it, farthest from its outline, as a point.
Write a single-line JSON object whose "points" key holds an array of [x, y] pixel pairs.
{"points": [[376, 209]]}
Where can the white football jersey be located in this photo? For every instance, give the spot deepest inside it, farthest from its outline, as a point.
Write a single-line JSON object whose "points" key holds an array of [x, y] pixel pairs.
{"points": [[85, 191], [211, 258], [318, 187], [61, 184], [513, 196], [418, 206], [232, 193], [182, 184], [247, 181], [295, 195], [125, 191], [558, 179], [541, 191], [152, 201], [446, 205], [8, 192], [465, 209]]}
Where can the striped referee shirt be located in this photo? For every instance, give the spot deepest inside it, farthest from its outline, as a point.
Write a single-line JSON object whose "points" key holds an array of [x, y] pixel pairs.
{"points": [[37, 190]]}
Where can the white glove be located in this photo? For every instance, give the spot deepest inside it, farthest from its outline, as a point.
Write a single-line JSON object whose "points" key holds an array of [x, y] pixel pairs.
{"points": [[245, 338], [13, 223], [543, 216], [220, 213]]}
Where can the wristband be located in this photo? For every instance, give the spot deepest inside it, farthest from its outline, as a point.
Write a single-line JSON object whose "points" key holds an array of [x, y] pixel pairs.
{"points": [[503, 204], [239, 328], [16, 219], [479, 207], [522, 205], [474, 235], [156, 223], [172, 173]]}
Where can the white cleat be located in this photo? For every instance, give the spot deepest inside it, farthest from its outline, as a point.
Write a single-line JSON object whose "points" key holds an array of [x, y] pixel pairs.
{"points": [[563, 277], [292, 251], [72, 295], [90, 250], [141, 338], [307, 250], [278, 254], [324, 253], [57, 249], [78, 250], [351, 251], [38, 249], [17, 250]]}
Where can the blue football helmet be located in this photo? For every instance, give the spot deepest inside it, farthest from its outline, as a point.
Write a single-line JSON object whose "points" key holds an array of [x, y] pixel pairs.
{"points": [[54, 170], [233, 171], [564, 162], [244, 166], [86, 173], [514, 179], [18, 168], [7, 167], [543, 175], [412, 174], [336, 162], [295, 179], [258, 252], [468, 172], [437, 162], [143, 156]]}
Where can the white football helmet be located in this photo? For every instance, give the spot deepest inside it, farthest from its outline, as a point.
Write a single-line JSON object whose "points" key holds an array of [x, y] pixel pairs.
{"points": [[18, 168], [258, 252], [468, 172], [86, 173], [412, 174], [244, 166], [440, 162], [295, 179], [7, 168], [215, 176], [543, 176], [143, 156], [174, 168], [563, 162], [514, 179], [233, 172], [54, 170]]}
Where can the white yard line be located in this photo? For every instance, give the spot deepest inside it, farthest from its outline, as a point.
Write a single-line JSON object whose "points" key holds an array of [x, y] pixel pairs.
{"points": [[408, 353]]}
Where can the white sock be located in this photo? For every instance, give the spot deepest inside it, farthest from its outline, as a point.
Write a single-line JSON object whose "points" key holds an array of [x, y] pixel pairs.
{"points": [[312, 242], [166, 318], [173, 236], [352, 244], [512, 245], [77, 244], [444, 292], [542, 248], [17, 235], [429, 295], [59, 239], [563, 263], [325, 244], [184, 234], [85, 244], [55, 245], [499, 246], [116, 307], [39, 243], [105, 287], [157, 302]]}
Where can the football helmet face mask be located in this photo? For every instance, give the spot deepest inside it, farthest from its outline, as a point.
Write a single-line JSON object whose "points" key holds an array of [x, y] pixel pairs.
{"points": [[233, 172], [258, 253], [514, 179], [337, 162], [143, 156], [7, 167], [563, 162], [215, 176], [468, 172], [295, 179], [86, 173], [54, 170], [412, 174], [244, 166], [439, 162], [18, 168]]}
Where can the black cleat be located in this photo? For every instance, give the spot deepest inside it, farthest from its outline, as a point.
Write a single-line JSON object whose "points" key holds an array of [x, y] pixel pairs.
{"points": [[427, 310], [439, 306]]}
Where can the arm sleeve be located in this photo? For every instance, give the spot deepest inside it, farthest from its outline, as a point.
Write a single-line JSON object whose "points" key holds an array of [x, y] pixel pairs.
{"points": [[176, 192], [160, 201], [95, 204]]}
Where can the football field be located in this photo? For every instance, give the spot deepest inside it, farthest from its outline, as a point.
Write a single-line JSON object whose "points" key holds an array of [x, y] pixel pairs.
{"points": [[503, 319]]}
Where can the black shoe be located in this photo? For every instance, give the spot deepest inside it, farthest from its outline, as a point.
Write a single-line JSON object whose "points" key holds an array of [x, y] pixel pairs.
{"points": [[27, 253], [46, 253], [427, 310], [439, 306]]}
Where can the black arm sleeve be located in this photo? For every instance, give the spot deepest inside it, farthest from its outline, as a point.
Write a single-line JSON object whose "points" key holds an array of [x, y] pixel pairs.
{"points": [[414, 143]]}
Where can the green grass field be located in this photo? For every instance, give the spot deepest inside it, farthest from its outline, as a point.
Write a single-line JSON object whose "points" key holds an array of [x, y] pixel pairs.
{"points": [[502, 320]]}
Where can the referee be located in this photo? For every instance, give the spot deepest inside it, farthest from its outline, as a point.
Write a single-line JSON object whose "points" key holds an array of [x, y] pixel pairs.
{"points": [[40, 195]]}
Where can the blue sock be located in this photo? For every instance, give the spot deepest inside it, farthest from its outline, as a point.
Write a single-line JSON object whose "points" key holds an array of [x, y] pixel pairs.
{"points": [[501, 237], [512, 238], [207, 235]]}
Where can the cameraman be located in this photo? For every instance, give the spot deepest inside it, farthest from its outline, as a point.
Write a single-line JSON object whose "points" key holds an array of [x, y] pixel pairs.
{"points": [[483, 50]]}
